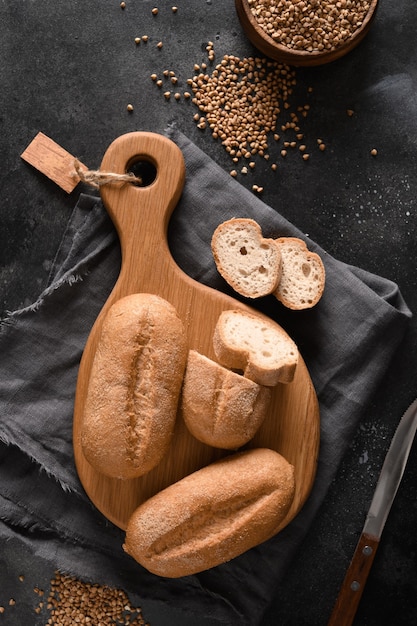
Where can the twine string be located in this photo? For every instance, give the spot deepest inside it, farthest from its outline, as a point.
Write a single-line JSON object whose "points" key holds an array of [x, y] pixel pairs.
{"points": [[96, 178]]}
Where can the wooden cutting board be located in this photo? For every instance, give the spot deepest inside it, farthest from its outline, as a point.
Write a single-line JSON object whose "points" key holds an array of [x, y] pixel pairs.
{"points": [[140, 215]]}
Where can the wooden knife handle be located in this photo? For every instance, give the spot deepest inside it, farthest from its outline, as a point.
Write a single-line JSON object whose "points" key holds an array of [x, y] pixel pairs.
{"points": [[352, 587]]}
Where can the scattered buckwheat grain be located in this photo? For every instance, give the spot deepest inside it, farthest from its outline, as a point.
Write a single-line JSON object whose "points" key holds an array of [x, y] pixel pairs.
{"points": [[72, 601], [241, 101]]}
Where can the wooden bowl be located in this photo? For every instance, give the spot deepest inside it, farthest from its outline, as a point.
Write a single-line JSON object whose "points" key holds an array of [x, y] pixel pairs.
{"points": [[279, 52]]}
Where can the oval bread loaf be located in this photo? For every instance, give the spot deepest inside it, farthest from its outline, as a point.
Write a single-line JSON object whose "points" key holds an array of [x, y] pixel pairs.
{"points": [[221, 408], [212, 515], [134, 387]]}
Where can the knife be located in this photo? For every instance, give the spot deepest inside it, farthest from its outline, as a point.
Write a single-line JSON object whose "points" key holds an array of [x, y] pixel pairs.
{"points": [[389, 480]]}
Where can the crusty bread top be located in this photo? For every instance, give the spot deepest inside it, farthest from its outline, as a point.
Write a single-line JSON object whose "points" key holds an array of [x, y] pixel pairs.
{"points": [[303, 275], [213, 514], [220, 407], [134, 387], [248, 262], [256, 345]]}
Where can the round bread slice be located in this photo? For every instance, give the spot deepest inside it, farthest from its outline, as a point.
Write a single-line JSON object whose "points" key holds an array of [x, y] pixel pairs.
{"points": [[303, 275], [256, 345], [247, 261], [221, 408]]}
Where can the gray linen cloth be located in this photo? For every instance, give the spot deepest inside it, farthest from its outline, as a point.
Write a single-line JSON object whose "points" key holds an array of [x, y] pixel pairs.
{"points": [[347, 341]]}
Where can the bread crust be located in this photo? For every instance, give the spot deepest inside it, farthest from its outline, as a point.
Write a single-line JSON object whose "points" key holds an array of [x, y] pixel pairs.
{"points": [[221, 408], [134, 387], [257, 346], [213, 515], [249, 262]]}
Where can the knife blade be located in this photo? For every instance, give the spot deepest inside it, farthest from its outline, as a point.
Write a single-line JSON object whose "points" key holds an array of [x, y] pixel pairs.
{"points": [[387, 486]]}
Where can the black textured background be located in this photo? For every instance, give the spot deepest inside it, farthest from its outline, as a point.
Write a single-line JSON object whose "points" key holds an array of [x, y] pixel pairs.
{"points": [[69, 69]]}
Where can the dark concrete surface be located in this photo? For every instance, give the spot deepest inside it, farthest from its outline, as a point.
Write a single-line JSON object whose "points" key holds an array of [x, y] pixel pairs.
{"points": [[69, 69]]}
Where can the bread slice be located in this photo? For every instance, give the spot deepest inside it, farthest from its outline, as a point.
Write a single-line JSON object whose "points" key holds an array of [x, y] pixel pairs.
{"points": [[248, 262], [221, 408], [256, 345], [303, 275]]}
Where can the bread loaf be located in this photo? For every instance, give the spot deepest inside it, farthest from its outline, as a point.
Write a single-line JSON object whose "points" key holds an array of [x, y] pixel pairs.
{"points": [[247, 261], [212, 515], [221, 408], [257, 346], [134, 387], [303, 275]]}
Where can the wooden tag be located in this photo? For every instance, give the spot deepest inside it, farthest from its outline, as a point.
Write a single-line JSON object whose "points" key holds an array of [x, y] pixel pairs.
{"points": [[56, 163]]}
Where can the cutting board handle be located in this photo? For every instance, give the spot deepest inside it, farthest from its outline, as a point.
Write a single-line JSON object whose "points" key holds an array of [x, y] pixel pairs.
{"points": [[141, 214]]}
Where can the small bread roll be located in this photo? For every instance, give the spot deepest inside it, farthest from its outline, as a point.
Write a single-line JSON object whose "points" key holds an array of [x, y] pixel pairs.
{"points": [[134, 387], [221, 408], [212, 515], [257, 346]]}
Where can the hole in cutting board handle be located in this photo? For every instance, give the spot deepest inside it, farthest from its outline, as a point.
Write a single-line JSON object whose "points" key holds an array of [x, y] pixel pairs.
{"points": [[143, 168]]}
